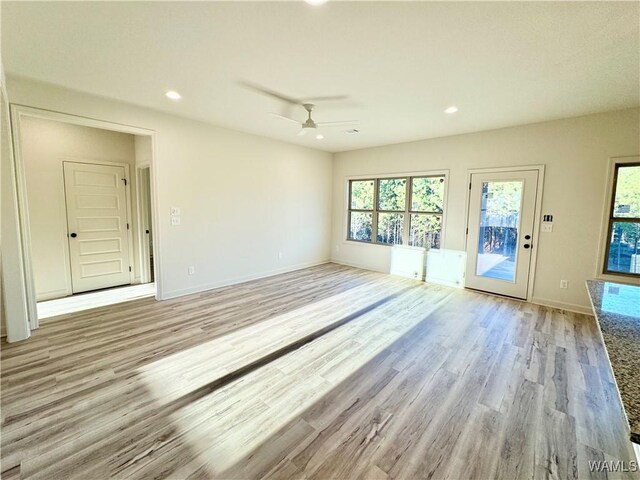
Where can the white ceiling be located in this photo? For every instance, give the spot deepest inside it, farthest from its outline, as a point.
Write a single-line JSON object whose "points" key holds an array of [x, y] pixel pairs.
{"points": [[402, 64]]}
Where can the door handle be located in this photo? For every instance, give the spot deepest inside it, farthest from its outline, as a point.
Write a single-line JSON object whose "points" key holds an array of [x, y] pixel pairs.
{"points": [[73, 235]]}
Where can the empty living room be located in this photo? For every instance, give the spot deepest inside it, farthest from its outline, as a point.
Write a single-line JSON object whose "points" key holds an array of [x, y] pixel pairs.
{"points": [[320, 239]]}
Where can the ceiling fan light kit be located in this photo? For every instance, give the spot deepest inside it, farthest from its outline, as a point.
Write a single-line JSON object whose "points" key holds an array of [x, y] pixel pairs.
{"points": [[309, 124]]}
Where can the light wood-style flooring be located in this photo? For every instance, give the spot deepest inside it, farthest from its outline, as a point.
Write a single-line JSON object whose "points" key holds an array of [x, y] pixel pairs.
{"points": [[327, 372]]}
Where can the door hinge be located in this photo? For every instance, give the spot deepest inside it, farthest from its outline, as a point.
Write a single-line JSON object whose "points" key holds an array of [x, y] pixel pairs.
{"points": [[125, 181], [466, 231], [127, 226], [469, 185], [129, 267]]}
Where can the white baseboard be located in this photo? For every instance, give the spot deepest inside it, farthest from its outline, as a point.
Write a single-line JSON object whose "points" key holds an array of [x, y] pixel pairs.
{"points": [[356, 265], [234, 281], [571, 307]]}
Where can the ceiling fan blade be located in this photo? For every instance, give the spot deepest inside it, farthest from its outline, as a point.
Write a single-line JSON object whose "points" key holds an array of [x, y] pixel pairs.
{"points": [[338, 124], [270, 93], [330, 98], [283, 117]]}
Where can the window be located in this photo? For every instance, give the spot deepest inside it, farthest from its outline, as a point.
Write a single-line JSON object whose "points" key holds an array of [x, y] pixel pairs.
{"points": [[397, 211], [622, 255]]}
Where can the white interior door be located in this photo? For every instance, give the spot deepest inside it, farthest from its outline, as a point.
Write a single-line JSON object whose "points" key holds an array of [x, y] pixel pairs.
{"points": [[500, 231], [97, 226]]}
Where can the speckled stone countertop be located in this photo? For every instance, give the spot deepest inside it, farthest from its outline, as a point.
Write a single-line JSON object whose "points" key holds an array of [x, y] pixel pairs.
{"points": [[617, 309]]}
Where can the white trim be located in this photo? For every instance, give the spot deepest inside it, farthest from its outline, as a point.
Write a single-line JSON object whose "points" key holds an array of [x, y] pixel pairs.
{"points": [[244, 278], [604, 224], [570, 307], [537, 215], [345, 206], [358, 265], [19, 111]]}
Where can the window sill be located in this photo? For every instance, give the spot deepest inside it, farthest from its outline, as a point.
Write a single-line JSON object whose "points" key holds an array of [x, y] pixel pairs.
{"points": [[362, 242]]}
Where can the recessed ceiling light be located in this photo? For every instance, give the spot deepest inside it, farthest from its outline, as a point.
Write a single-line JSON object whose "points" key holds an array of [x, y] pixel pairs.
{"points": [[451, 109], [315, 2], [319, 136], [173, 95]]}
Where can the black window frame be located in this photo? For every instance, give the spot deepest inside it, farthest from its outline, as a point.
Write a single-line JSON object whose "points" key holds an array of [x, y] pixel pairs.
{"points": [[611, 219]]}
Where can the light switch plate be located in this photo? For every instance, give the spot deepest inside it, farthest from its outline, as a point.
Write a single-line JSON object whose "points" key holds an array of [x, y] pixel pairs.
{"points": [[175, 220], [175, 210]]}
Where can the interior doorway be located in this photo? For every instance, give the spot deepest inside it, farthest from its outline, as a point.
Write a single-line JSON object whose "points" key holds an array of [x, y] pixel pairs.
{"points": [[500, 231], [84, 221]]}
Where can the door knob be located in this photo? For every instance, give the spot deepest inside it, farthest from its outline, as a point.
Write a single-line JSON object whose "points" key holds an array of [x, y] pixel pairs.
{"points": [[73, 235], [526, 245], [527, 237]]}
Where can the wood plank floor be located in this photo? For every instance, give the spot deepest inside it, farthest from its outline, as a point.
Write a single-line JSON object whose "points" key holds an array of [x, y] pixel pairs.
{"points": [[422, 382]]}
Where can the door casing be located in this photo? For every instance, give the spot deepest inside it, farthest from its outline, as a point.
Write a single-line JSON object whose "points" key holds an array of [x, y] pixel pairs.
{"points": [[537, 213]]}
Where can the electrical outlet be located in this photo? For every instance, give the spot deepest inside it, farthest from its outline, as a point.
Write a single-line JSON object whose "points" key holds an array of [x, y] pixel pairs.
{"points": [[175, 220], [175, 210], [547, 227], [564, 284], [279, 255], [192, 270]]}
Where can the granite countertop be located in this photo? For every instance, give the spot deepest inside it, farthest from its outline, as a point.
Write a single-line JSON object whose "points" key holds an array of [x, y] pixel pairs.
{"points": [[617, 310]]}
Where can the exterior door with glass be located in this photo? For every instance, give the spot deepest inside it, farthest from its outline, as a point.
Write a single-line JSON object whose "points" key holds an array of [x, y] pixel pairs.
{"points": [[500, 231]]}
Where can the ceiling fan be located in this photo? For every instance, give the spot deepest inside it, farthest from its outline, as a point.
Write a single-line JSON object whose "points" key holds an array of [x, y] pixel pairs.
{"points": [[309, 125]]}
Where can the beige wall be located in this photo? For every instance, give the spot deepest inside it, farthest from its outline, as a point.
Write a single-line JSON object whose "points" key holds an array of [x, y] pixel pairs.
{"points": [[45, 145], [575, 152], [244, 199]]}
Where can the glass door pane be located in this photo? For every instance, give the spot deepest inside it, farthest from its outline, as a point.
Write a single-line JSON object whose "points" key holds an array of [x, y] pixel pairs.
{"points": [[500, 207]]}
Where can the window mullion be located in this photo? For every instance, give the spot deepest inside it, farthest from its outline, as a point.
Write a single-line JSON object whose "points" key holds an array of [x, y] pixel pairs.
{"points": [[374, 217], [407, 217]]}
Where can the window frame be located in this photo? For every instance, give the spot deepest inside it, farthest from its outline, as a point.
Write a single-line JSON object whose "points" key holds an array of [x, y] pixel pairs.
{"points": [[360, 210], [407, 212], [601, 271], [610, 219]]}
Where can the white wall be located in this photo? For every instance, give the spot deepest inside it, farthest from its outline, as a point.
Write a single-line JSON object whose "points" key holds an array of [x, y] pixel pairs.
{"points": [[575, 152], [243, 198], [45, 145]]}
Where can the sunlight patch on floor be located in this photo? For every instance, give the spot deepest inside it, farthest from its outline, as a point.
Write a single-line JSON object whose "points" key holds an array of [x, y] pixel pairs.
{"points": [[86, 301], [225, 426]]}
